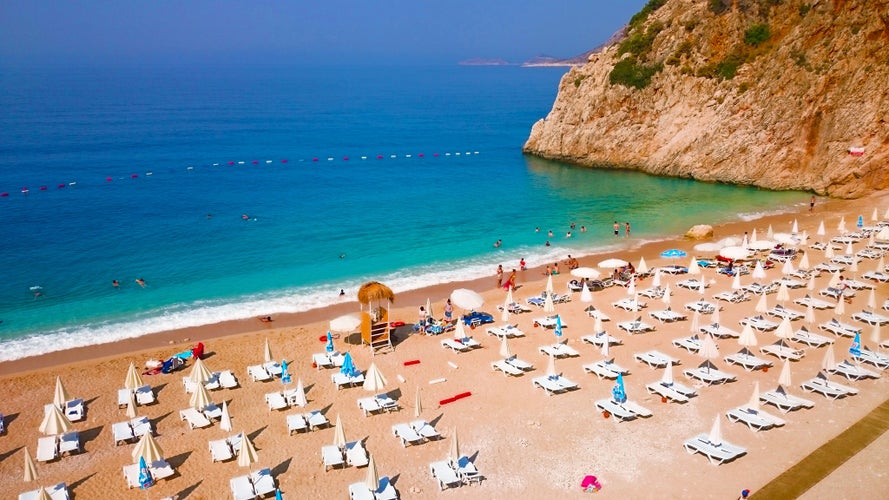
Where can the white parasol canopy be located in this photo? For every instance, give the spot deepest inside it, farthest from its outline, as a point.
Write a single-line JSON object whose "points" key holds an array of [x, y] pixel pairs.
{"points": [[883, 234], [715, 316], [787, 268], [467, 299], [829, 363], [715, 436], [828, 252], [734, 253], [345, 323], [642, 268], [666, 297], [585, 273], [872, 299], [339, 433], [551, 366], [693, 268], [656, 280], [454, 451], [54, 422], [753, 404], [667, 377], [131, 406], [200, 398], [612, 263], [374, 381], [784, 377], [225, 422], [787, 239], [736, 281], [548, 305], [133, 378], [30, 467], [762, 305], [60, 395], [585, 295], [695, 321], [840, 308], [785, 329], [709, 349], [247, 452], [418, 403], [759, 273], [804, 262], [267, 352], [747, 337], [372, 480], [821, 231], [200, 374], [504, 347], [549, 284], [298, 397], [148, 449], [761, 245], [783, 294]]}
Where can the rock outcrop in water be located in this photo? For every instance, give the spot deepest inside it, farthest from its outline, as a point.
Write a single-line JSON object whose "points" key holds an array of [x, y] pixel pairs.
{"points": [[774, 93]]}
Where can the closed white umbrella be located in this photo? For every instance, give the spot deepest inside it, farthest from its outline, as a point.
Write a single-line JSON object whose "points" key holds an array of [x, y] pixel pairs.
{"points": [[454, 450], [753, 404], [666, 297], [811, 284], [606, 349], [762, 304], [770, 234], [702, 288], [745, 243], [372, 480], [429, 307], [459, 331], [715, 316], [667, 377], [509, 299], [30, 467], [267, 352], [840, 308], [753, 235], [299, 394], [783, 293], [810, 314], [784, 378], [829, 363], [585, 295], [597, 325], [60, 395], [374, 381], [133, 378], [804, 262], [821, 231], [872, 299], [736, 281], [551, 366], [631, 289], [642, 268], [759, 273], [828, 252], [200, 374], [795, 228], [418, 403], [709, 349], [505, 351], [131, 406], [854, 266], [225, 421], [886, 214], [549, 284], [247, 455], [715, 436], [849, 250], [467, 299], [747, 337], [841, 227], [695, 320], [787, 268], [693, 268], [881, 264], [875, 334], [339, 434], [785, 329], [548, 305], [148, 449], [504, 315], [883, 234], [656, 280]]}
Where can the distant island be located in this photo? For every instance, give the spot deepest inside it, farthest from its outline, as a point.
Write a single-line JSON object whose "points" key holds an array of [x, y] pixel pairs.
{"points": [[546, 60], [485, 62]]}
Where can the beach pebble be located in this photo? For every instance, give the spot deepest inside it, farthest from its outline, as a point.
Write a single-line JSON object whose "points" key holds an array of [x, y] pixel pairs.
{"points": [[700, 232]]}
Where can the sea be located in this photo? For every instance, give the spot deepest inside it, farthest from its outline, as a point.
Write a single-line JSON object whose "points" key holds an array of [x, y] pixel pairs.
{"points": [[254, 190]]}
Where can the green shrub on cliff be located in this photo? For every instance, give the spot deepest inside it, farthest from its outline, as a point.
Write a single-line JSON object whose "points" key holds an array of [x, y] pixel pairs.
{"points": [[631, 73], [639, 18], [757, 34]]}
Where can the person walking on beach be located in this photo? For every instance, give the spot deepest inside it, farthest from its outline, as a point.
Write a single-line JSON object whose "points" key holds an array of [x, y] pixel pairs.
{"points": [[812, 204], [421, 320], [510, 282], [499, 275], [616, 229], [522, 264], [448, 310], [627, 227]]}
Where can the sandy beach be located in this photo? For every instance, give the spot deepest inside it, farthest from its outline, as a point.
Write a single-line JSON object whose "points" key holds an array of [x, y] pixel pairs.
{"points": [[524, 442]]}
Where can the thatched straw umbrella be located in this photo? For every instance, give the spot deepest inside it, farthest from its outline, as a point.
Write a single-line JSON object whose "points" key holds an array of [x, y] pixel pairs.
{"points": [[373, 291]]}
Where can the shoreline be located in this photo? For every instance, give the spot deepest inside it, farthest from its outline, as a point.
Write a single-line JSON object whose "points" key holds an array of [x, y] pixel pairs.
{"points": [[182, 338]]}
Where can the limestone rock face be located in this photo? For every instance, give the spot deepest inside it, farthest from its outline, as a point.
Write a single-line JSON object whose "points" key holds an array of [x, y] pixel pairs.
{"points": [[787, 119], [700, 232]]}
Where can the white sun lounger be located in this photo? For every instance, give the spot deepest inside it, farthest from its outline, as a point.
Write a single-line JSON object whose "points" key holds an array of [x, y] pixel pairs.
{"points": [[701, 306], [733, 297], [227, 379], [56, 492], [804, 336], [709, 374], [444, 474], [242, 488], [746, 359], [341, 380], [859, 285], [258, 373], [506, 368], [510, 331], [360, 491], [122, 432], [467, 471], [828, 389], [47, 449], [454, 345], [783, 351], [160, 469], [876, 276], [332, 456], [549, 322], [719, 331], [316, 420], [369, 405], [877, 359], [212, 411], [263, 482], [356, 455], [667, 316], [755, 420], [406, 434], [853, 371], [835, 293], [598, 339], [637, 326], [784, 401], [559, 350], [144, 395], [780, 311], [691, 343], [141, 426], [653, 292], [675, 391], [619, 412], [790, 282], [717, 454], [276, 401], [296, 423], [425, 429], [692, 284], [194, 418], [123, 398], [759, 323], [554, 384], [759, 288], [220, 450], [630, 305], [69, 443], [605, 369], [596, 313], [815, 303], [518, 363], [838, 328], [871, 318], [655, 359]]}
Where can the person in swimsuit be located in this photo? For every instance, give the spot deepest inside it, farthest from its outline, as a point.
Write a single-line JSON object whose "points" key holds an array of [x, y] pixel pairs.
{"points": [[616, 229]]}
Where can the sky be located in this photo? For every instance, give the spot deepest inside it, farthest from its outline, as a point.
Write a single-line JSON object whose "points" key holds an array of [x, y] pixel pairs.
{"points": [[274, 31]]}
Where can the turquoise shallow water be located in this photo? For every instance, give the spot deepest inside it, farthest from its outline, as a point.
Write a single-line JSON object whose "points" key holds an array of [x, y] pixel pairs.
{"points": [[418, 172]]}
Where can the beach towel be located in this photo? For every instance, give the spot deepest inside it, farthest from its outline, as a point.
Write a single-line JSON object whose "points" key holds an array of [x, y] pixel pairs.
{"points": [[198, 350], [590, 483]]}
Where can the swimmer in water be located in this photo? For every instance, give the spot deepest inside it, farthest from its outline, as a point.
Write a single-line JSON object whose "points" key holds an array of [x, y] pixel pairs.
{"points": [[115, 283], [140, 282], [245, 217], [342, 293]]}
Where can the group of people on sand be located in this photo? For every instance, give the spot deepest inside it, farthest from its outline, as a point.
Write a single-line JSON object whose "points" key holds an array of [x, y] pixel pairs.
{"points": [[511, 281]]}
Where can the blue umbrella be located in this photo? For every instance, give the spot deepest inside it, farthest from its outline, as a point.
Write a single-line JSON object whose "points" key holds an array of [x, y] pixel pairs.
{"points": [[618, 393], [558, 329], [145, 480], [329, 346], [855, 349], [348, 368], [285, 375], [673, 253]]}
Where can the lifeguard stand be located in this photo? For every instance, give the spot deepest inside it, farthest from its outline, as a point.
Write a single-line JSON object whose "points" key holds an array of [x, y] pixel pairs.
{"points": [[375, 329]]}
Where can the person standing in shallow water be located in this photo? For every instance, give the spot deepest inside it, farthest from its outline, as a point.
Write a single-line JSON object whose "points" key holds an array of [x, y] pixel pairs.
{"points": [[616, 229], [627, 227]]}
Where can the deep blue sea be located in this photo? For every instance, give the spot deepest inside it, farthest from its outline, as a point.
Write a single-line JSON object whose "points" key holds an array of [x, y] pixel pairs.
{"points": [[405, 175]]}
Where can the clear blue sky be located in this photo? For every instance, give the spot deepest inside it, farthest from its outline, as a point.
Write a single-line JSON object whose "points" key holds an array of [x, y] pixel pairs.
{"points": [[225, 31]]}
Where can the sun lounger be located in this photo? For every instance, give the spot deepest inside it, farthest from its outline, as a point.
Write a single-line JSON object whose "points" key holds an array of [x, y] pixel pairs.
{"points": [[791, 283], [194, 418], [515, 308], [123, 398], [454, 345], [220, 451], [746, 359], [296, 423], [784, 401], [559, 350], [618, 411], [594, 313], [276, 401], [717, 454], [733, 297], [815, 303], [877, 359], [159, 469], [242, 488], [549, 322], [838, 328], [667, 316], [316, 420], [332, 456], [605, 369], [273, 368], [144, 395], [122, 432], [74, 410], [425, 429], [759, 288], [692, 284], [701, 306], [69, 443], [469, 342], [258, 373], [518, 363], [783, 351], [675, 391], [599, 339], [853, 371], [234, 441], [553, 384], [360, 491], [406, 434], [709, 374], [653, 293], [466, 471], [56, 492], [227, 379], [637, 326], [876, 276], [655, 359], [759, 323], [871, 318], [719, 331], [444, 474], [263, 482], [141, 426], [212, 411], [780, 311], [342, 380], [505, 331], [356, 455], [189, 385], [804, 336], [755, 420], [827, 267], [630, 304], [674, 269], [828, 389], [835, 293], [506, 368], [47, 449], [690, 344]]}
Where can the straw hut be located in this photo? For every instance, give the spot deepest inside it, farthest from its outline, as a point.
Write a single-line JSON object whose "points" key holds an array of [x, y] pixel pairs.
{"points": [[375, 330]]}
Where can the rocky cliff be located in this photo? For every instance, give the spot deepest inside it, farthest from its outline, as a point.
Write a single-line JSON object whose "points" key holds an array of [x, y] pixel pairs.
{"points": [[772, 93]]}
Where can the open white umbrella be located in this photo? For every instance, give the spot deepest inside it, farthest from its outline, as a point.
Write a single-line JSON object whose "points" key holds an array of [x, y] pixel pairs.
{"points": [[225, 421], [762, 305], [784, 377], [60, 395], [761, 245], [200, 374], [753, 404], [467, 299], [372, 480], [30, 467], [549, 284], [734, 253], [54, 422], [339, 434], [829, 363], [586, 273], [783, 294], [374, 381], [804, 262], [247, 455], [642, 268], [612, 263], [747, 337], [148, 449], [715, 436], [585, 295], [785, 329], [267, 352], [693, 268], [346, 323], [133, 378]]}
